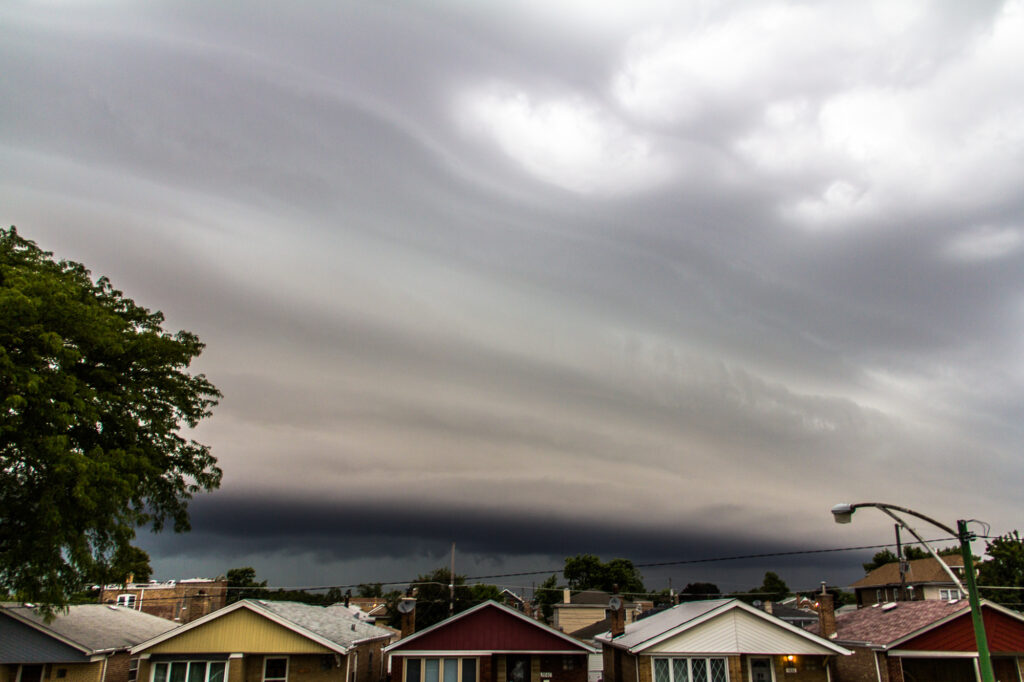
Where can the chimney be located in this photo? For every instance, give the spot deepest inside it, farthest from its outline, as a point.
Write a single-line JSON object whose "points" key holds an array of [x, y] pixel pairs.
{"points": [[407, 607], [767, 605], [566, 596], [348, 597], [618, 615], [827, 613]]}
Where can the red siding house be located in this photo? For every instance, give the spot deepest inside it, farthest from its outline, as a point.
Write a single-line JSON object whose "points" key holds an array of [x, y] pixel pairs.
{"points": [[489, 643], [926, 640]]}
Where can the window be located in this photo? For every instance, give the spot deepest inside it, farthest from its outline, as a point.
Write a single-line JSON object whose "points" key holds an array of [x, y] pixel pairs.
{"points": [[133, 670], [126, 600], [185, 671], [690, 670], [878, 596], [274, 670], [949, 595], [440, 670]]}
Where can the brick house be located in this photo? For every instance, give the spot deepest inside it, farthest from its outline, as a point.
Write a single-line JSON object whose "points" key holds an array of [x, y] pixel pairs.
{"points": [[85, 643], [267, 641], [720, 640], [489, 642], [924, 579], [182, 601], [923, 640]]}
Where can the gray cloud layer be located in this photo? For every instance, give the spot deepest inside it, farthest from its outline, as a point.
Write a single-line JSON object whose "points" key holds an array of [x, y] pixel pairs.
{"points": [[710, 268]]}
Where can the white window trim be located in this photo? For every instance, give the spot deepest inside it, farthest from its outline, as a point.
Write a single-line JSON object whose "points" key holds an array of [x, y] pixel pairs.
{"points": [[440, 666], [153, 666], [689, 667], [287, 668], [127, 600]]}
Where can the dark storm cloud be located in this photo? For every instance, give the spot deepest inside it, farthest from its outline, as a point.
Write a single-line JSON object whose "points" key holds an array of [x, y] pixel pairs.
{"points": [[751, 258]]}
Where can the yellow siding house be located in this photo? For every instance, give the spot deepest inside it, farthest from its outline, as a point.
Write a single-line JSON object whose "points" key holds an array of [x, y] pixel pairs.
{"points": [[266, 641]]}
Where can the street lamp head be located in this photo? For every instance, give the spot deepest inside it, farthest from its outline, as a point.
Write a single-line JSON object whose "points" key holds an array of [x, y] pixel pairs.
{"points": [[843, 513]]}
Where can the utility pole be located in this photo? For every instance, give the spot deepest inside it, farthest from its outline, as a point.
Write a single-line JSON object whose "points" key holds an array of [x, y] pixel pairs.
{"points": [[902, 564], [451, 585]]}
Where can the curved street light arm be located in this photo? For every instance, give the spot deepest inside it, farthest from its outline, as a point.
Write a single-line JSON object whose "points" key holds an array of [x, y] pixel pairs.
{"points": [[883, 506], [943, 564]]}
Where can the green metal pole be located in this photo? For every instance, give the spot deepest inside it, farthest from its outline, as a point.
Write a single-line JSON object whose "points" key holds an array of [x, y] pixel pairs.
{"points": [[984, 659]]}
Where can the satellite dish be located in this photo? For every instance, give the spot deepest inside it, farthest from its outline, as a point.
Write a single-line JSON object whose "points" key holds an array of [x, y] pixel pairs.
{"points": [[406, 606], [614, 603]]}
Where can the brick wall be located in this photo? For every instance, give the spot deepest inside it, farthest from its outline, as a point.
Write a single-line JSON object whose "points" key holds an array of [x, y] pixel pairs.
{"points": [[860, 666], [182, 602]]}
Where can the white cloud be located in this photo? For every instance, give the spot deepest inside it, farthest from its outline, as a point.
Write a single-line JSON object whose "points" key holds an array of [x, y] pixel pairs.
{"points": [[568, 142]]}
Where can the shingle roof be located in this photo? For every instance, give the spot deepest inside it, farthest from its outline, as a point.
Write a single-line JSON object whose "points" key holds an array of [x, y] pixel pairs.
{"points": [[334, 623], [926, 570], [640, 631], [879, 626], [97, 627]]}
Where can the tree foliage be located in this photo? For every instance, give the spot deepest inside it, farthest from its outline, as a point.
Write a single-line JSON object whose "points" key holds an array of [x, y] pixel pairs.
{"points": [[588, 572], [699, 591], [93, 396], [433, 596], [772, 588], [547, 594], [1004, 568], [242, 584]]}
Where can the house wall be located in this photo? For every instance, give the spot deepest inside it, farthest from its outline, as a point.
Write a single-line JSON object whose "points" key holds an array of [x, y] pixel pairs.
{"points": [[240, 631], [182, 602], [860, 667], [301, 668], [79, 672]]}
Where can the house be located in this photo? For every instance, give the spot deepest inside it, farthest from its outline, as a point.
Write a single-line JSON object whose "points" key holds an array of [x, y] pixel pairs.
{"points": [[510, 598], [374, 607], [925, 579], [489, 642], [585, 608], [719, 640], [924, 640], [182, 601], [85, 643], [800, 617], [268, 641]]}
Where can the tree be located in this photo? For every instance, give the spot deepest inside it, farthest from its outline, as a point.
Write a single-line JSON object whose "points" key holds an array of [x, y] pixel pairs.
{"points": [[699, 591], [772, 588], [1004, 568], [910, 553], [93, 395], [130, 564], [242, 585], [547, 594], [588, 572], [371, 590]]}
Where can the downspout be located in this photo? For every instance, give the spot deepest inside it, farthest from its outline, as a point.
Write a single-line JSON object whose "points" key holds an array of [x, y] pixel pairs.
{"points": [[142, 592], [348, 661], [636, 666], [103, 674], [878, 669]]}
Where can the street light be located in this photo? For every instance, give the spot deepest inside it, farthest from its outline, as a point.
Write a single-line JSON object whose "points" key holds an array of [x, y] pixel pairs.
{"points": [[843, 513]]}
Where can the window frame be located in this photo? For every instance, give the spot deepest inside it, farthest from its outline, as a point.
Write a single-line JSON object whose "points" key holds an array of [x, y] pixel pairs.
{"points": [[188, 664], [670, 662], [440, 667], [127, 600]]}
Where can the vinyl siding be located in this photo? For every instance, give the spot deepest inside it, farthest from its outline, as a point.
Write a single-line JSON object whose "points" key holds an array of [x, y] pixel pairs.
{"points": [[239, 632], [737, 632]]}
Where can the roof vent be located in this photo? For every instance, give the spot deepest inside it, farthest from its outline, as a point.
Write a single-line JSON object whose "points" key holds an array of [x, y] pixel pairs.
{"points": [[353, 627], [889, 607], [111, 607]]}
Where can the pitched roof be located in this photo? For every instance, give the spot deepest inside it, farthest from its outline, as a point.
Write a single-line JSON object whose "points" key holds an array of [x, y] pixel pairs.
{"points": [[667, 624], [95, 628], [592, 598], [332, 626], [926, 570], [879, 626], [540, 632]]}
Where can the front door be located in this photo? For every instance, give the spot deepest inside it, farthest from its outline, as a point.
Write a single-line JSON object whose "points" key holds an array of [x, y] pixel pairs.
{"points": [[761, 670], [30, 673], [517, 668]]}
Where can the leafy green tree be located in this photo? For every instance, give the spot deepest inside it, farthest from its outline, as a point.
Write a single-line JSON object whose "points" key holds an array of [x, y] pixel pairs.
{"points": [[242, 585], [129, 562], [772, 588], [588, 572], [699, 591], [482, 592], [93, 396], [547, 594], [1004, 568], [910, 553]]}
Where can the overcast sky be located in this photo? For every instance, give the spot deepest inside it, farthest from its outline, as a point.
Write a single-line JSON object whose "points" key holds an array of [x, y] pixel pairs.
{"points": [[659, 280]]}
